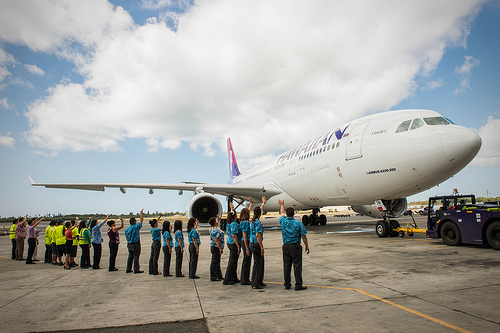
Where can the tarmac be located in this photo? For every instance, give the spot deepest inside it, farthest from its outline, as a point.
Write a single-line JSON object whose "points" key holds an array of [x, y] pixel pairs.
{"points": [[357, 282]]}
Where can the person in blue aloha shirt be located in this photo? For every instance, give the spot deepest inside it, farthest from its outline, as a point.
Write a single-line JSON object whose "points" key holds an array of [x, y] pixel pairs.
{"points": [[257, 247], [194, 247], [179, 248], [168, 244], [233, 244], [292, 231], [155, 245], [216, 248], [245, 243]]}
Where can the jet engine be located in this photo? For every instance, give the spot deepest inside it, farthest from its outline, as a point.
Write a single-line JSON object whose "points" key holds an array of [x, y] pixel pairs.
{"points": [[203, 206], [391, 208]]}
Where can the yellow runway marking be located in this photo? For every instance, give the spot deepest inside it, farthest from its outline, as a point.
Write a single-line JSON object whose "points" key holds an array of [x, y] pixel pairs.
{"points": [[402, 307]]}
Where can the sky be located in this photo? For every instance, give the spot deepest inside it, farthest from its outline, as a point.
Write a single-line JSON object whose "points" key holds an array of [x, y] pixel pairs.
{"points": [[148, 91]]}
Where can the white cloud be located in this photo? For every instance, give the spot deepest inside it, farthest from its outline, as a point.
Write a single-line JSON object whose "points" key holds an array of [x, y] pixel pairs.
{"points": [[35, 70], [465, 72], [6, 140], [489, 155], [4, 104], [253, 70]]}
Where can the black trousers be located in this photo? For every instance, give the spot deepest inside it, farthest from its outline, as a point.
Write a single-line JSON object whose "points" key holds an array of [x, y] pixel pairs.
{"points": [[134, 251], [167, 257], [48, 253], [193, 260], [258, 265], [153, 258], [232, 264], [85, 259], [178, 261], [113, 252], [97, 255], [245, 265], [14, 245], [215, 272], [31, 250], [292, 255]]}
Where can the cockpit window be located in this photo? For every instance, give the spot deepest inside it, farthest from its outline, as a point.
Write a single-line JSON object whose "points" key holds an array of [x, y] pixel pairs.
{"points": [[405, 125], [417, 123], [436, 121]]}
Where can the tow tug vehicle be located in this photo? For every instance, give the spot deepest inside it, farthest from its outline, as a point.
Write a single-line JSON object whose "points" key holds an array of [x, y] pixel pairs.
{"points": [[457, 219]]}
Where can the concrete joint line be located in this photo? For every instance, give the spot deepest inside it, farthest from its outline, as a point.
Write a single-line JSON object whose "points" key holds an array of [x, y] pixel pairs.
{"points": [[199, 300]]}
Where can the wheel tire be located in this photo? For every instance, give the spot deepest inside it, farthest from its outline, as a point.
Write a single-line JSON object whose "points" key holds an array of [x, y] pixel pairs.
{"points": [[305, 220], [401, 234], [322, 219], [382, 229], [450, 234], [394, 225], [493, 235], [313, 220], [410, 234]]}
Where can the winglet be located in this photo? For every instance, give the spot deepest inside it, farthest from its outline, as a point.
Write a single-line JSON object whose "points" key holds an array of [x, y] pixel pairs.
{"points": [[31, 181], [234, 171]]}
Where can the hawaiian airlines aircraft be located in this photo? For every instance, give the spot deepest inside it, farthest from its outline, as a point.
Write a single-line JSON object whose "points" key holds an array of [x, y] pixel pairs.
{"points": [[372, 164]]}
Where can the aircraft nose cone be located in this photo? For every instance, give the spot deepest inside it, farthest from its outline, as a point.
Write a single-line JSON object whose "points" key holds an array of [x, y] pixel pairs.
{"points": [[460, 144]]}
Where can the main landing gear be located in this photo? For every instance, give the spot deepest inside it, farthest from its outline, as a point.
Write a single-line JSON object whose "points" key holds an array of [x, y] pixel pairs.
{"points": [[385, 228], [314, 219]]}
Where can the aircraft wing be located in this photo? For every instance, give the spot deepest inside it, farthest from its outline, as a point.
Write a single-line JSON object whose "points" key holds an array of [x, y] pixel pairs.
{"points": [[241, 191]]}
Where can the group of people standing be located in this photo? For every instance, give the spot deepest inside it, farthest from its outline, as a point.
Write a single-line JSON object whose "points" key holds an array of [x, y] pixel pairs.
{"points": [[244, 235]]}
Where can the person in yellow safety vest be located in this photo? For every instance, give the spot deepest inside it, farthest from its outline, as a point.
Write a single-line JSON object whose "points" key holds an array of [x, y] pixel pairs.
{"points": [[74, 248], [12, 236], [84, 240], [48, 242], [53, 243], [60, 240]]}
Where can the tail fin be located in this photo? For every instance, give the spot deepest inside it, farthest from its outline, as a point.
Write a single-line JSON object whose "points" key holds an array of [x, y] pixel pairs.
{"points": [[233, 165]]}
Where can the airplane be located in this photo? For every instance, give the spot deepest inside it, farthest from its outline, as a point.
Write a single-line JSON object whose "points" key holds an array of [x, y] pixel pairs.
{"points": [[371, 164]]}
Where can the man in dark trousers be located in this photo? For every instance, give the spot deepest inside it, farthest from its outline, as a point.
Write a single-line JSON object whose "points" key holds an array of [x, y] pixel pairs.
{"points": [[134, 243], [292, 231]]}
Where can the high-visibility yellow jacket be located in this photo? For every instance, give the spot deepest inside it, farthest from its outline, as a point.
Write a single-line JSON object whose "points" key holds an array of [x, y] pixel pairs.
{"points": [[48, 235], [59, 235], [53, 235], [83, 240], [75, 236], [12, 231]]}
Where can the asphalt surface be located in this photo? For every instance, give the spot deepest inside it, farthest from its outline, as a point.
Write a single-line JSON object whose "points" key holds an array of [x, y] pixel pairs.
{"points": [[357, 282]]}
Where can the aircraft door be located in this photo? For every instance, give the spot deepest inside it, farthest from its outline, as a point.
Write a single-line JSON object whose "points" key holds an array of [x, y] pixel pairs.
{"points": [[355, 140]]}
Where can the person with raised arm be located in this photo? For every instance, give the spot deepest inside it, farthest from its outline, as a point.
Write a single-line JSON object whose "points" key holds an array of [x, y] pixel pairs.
{"points": [[233, 244], [134, 243], [32, 239], [257, 247], [95, 229], [155, 245], [292, 231], [245, 243], [114, 242]]}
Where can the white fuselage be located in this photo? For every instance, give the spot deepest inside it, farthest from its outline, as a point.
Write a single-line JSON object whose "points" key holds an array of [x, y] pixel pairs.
{"points": [[367, 160]]}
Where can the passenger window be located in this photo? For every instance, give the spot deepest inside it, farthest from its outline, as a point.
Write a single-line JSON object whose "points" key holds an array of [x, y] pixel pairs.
{"points": [[436, 121], [417, 123], [404, 126]]}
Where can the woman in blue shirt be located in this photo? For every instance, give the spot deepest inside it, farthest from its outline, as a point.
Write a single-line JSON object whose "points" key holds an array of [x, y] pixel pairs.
{"points": [[194, 247], [167, 247], [216, 248], [179, 247], [233, 244], [257, 247], [155, 246], [245, 243], [95, 229]]}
